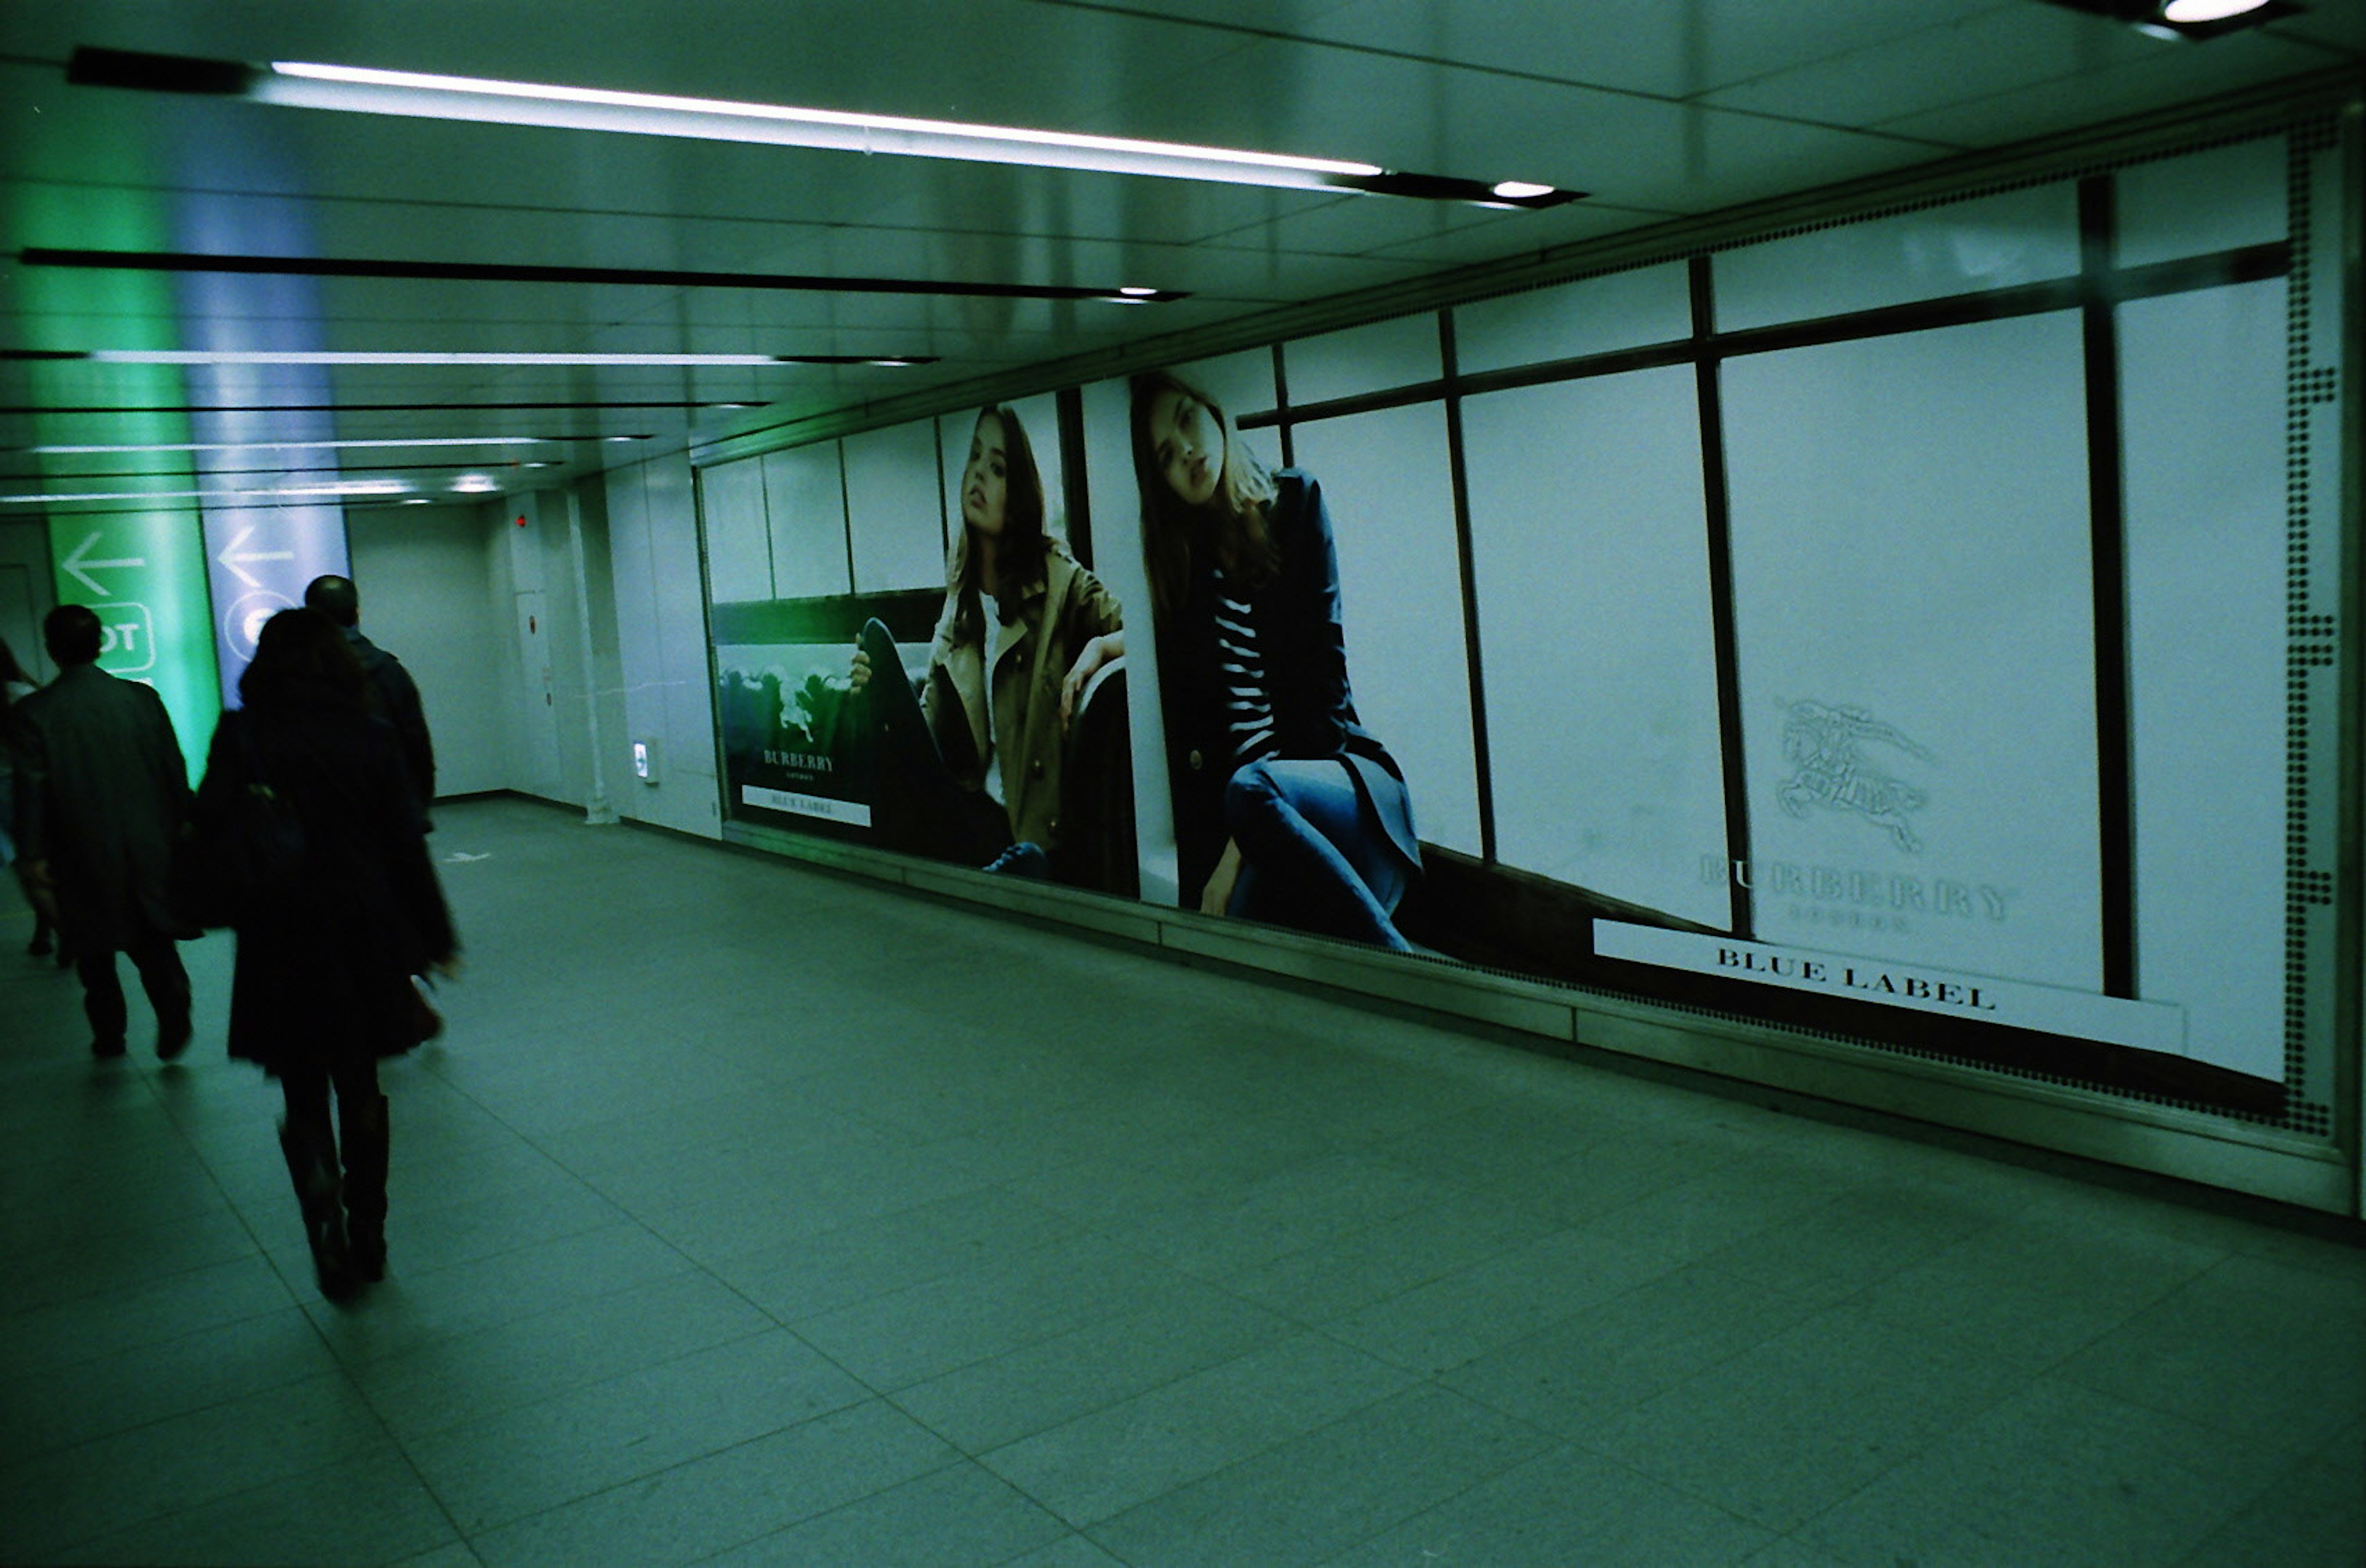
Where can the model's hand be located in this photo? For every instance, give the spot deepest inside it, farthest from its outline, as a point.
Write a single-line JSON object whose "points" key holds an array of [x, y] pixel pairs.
{"points": [[1217, 897], [1089, 659], [859, 674]]}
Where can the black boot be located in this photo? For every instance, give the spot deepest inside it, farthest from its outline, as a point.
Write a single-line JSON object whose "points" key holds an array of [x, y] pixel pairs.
{"points": [[312, 1164], [362, 1121]]}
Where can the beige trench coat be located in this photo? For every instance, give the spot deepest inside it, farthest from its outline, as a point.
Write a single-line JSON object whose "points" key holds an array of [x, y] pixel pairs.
{"points": [[1031, 658]]}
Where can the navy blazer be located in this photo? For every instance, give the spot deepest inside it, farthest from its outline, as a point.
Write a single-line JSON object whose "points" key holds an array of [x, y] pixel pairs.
{"points": [[1296, 617]]}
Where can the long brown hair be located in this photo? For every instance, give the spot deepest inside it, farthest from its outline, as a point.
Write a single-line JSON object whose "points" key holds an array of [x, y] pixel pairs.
{"points": [[1233, 520], [1019, 552]]}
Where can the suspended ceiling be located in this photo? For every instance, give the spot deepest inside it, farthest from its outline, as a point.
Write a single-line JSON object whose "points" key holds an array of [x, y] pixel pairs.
{"points": [[1660, 108]]}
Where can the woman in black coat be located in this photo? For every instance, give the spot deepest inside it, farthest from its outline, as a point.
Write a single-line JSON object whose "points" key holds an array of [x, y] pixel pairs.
{"points": [[322, 988], [1286, 808]]}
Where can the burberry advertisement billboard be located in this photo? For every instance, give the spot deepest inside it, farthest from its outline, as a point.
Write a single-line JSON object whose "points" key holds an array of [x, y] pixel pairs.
{"points": [[1847, 631]]}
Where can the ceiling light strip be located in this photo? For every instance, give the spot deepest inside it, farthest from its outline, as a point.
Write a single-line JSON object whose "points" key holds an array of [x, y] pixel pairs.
{"points": [[310, 446], [483, 100]]}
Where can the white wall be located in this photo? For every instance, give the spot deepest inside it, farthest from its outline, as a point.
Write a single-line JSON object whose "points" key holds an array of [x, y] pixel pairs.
{"points": [[427, 598], [668, 699]]}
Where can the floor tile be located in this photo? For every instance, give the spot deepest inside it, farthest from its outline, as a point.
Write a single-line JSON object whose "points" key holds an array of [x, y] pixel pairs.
{"points": [[1564, 1507], [2057, 1473], [1043, 1385], [696, 1510], [960, 1517], [468, 1377], [1138, 1448], [526, 1459], [2264, 1351], [1806, 1418], [1310, 1499], [371, 1509]]}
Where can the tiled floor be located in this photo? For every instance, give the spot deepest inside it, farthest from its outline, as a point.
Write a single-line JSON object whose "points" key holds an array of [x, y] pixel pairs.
{"points": [[749, 1215]]}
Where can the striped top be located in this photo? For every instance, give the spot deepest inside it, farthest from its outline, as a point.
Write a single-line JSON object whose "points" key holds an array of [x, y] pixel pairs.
{"points": [[1249, 709]]}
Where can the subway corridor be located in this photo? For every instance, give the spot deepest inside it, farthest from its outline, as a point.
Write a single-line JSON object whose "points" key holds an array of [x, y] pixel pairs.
{"points": [[751, 1215]]}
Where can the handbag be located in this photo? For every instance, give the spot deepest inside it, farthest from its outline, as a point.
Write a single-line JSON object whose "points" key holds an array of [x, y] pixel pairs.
{"points": [[247, 857]]}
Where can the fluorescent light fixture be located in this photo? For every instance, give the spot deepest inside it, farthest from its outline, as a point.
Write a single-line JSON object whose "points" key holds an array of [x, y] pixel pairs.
{"points": [[419, 94], [342, 487], [1518, 190], [1137, 291], [2188, 12], [475, 484], [297, 445]]}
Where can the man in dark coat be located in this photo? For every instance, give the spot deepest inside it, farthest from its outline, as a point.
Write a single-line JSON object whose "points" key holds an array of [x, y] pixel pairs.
{"points": [[394, 696], [102, 796]]}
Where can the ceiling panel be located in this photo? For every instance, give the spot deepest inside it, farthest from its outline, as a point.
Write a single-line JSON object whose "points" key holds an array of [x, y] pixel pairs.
{"points": [[1661, 107]]}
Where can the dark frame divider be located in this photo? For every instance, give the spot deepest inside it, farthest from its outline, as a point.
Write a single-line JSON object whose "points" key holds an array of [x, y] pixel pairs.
{"points": [[1483, 764], [2107, 524], [1716, 521]]}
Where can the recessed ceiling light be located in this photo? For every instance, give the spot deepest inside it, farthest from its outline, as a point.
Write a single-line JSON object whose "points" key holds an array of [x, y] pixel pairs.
{"points": [[419, 94], [475, 484], [2186, 12]]}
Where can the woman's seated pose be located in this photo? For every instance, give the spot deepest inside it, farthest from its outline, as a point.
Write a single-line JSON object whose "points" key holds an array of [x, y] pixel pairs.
{"points": [[1286, 808], [969, 768]]}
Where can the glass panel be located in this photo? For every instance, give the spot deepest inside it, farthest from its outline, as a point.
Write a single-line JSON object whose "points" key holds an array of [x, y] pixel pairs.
{"points": [[1391, 495], [738, 558], [1595, 627], [2202, 382], [2207, 201], [1915, 641], [895, 519], [1399, 353], [2020, 236], [1594, 315], [807, 502]]}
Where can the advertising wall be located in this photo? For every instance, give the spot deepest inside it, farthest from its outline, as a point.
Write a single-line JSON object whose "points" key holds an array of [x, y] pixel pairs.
{"points": [[1914, 631]]}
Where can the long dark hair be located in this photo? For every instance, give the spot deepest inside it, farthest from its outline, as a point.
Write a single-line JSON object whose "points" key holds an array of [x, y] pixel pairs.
{"points": [[1019, 551], [1231, 522], [303, 660]]}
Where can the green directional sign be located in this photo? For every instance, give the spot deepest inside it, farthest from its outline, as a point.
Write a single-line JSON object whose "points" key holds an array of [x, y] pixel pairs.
{"points": [[144, 574]]}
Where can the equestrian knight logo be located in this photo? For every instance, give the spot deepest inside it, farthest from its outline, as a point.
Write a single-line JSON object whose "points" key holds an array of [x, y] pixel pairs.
{"points": [[1824, 741]]}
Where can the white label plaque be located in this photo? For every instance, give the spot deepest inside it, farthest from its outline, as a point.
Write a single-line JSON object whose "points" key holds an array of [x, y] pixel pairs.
{"points": [[2049, 1010]]}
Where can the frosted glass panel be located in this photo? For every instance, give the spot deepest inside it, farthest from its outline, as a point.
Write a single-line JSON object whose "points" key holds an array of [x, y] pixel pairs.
{"points": [[2207, 201], [892, 508], [807, 502], [1391, 501], [1595, 630], [1625, 310], [2022, 236], [1040, 418], [1348, 364], [2205, 555], [738, 558], [1915, 641]]}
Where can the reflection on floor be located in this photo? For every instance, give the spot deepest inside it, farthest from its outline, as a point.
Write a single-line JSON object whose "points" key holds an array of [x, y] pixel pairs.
{"points": [[750, 1215]]}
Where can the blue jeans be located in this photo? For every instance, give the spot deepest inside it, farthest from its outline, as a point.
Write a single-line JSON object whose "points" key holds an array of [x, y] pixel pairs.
{"points": [[1313, 852]]}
